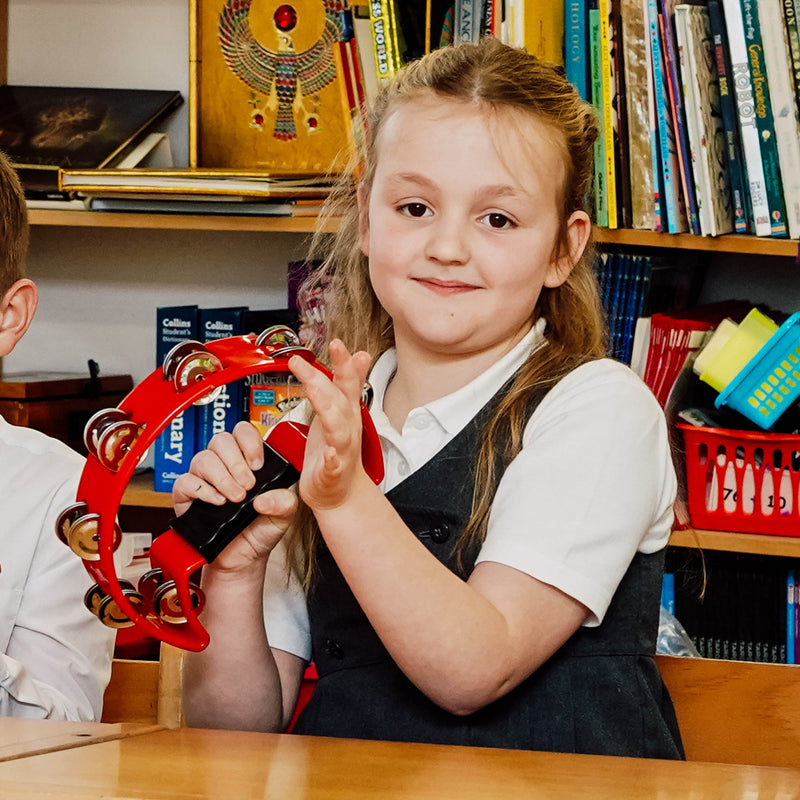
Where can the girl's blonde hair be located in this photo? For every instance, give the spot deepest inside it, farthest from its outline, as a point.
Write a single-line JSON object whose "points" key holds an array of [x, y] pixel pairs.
{"points": [[496, 77]]}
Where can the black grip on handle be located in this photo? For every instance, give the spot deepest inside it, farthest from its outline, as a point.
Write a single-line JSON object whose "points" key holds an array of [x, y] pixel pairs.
{"points": [[209, 528]]}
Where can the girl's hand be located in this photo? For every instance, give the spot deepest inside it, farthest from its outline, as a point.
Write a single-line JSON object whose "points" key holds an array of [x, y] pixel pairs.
{"points": [[332, 464], [224, 471]]}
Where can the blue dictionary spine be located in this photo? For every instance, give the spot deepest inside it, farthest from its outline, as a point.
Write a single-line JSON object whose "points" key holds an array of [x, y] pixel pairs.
{"points": [[226, 409], [174, 448]]}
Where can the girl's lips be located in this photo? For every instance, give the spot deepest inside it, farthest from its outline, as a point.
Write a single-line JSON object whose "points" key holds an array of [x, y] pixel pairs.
{"points": [[445, 287]]}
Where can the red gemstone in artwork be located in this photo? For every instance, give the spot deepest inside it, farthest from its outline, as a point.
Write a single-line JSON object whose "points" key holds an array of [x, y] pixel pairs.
{"points": [[285, 18], [258, 119], [312, 122]]}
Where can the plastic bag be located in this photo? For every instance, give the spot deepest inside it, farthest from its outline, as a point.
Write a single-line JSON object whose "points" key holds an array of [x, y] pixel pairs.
{"points": [[672, 637]]}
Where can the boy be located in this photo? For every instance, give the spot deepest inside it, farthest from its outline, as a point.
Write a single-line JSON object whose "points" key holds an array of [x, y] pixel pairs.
{"points": [[55, 656]]}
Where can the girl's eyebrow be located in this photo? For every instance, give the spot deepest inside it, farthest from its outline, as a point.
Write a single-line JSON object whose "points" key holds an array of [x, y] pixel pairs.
{"points": [[494, 190]]}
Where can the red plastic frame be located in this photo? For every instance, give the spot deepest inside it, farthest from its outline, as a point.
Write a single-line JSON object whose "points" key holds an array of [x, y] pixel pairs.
{"points": [[152, 405]]}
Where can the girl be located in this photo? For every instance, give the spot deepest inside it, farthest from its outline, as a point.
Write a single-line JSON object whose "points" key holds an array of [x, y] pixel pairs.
{"points": [[501, 587]]}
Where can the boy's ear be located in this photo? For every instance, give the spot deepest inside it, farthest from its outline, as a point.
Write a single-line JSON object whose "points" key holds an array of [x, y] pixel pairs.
{"points": [[17, 307], [363, 219], [579, 228]]}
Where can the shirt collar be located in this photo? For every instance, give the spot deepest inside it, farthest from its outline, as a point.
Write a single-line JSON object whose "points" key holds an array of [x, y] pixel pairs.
{"points": [[455, 410]]}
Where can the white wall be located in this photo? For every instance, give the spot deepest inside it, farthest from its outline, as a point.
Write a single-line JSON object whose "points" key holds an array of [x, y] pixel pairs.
{"points": [[100, 287]]}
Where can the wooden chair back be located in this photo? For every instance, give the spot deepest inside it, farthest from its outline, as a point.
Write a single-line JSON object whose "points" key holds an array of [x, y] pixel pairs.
{"points": [[146, 691], [736, 712]]}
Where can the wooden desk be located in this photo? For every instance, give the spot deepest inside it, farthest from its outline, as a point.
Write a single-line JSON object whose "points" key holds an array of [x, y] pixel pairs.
{"points": [[184, 763], [27, 737]]}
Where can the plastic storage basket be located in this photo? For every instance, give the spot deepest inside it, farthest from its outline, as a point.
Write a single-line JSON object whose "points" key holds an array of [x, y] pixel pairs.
{"points": [[770, 382], [743, 481]]}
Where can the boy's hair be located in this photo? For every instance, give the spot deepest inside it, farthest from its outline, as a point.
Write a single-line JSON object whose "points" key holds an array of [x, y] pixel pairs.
{"points": [[495, 77], [13, 226]]}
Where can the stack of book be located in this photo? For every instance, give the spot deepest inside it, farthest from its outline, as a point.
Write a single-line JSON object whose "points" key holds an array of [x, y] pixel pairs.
{"points": [[699, 106]]}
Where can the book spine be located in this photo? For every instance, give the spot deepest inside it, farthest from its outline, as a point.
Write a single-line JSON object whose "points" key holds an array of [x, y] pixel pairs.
{"points": [[576, 51], [666, 139], [599, 184], [764, 119], [382, 39], [174, 448], [675, 95], [543, 30], [608, 90], [468, 21], [784, 108], [623, 172], [225, 410], [791, 642], [733, 150], [791, 19], [748, 128], [655, 165]]}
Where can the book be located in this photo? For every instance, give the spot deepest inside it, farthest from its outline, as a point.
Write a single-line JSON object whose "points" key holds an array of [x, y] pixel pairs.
{"points": [[704, 120], [745, 105], [576, 46], [188, 180], [174, 447], [46, 128], [638, 100], [607, 106], [468, 16], [620, 115], [784, 108], [791, 19], [599, 182], [384, 42], [225, 410], [672, 205], [666, 14], [737, 178], [362, 29], [764, 119], [167, 205], [543, 30]]}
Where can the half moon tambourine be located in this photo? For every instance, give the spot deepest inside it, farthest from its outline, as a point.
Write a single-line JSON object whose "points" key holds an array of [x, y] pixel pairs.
{"points": [[166, 602]]}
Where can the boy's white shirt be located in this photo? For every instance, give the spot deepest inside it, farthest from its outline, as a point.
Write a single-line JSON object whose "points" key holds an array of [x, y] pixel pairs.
{"points": [[593, 485], [55, 655]]}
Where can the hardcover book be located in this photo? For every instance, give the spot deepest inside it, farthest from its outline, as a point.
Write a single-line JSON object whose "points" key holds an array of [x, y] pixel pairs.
{"points": [[46, 128]]}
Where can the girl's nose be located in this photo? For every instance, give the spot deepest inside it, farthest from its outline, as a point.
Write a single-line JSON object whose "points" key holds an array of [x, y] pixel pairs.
{"points": [[447, 242]]}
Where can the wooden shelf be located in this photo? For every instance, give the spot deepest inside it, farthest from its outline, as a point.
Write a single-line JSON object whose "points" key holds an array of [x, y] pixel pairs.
{"points": [[754, 543], [754, 245], [203, 222], [140, 492]]}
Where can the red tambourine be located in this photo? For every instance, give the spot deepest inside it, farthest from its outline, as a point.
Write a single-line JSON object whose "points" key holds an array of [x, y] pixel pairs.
{"points": [[166, 602]]}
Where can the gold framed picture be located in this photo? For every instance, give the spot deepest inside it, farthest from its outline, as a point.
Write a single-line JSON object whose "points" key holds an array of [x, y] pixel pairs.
{"points": [[266, 86]]}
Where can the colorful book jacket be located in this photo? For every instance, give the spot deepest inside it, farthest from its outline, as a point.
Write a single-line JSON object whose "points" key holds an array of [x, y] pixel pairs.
{"points": [[599, 184], [764, 119], [225, 410], [748, 127], [608, 108], [174, 448], [622, 162], [384, 39], [672, 201], [740, 195], [576, 46], [638, 100], [784, 108], [708, 146], [666, 13]]}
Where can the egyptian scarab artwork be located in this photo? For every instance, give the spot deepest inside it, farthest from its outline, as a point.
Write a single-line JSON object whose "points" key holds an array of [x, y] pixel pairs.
{"points": [[284, 79]]}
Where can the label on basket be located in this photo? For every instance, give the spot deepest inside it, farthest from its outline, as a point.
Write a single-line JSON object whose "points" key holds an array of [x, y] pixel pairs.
{"points": [[776, 489]]}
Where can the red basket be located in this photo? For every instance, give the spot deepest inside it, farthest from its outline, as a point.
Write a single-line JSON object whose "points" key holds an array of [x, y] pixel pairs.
{"points": [[743, 481]]}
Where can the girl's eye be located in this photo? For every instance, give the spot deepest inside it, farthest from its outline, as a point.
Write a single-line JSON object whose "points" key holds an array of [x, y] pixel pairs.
{"points": [[497, 220], [415, 209]]}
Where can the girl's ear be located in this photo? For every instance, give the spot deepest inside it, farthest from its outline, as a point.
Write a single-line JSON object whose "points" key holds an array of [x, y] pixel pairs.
{"points": [[17, 307], [362, 197], [579, 228]]}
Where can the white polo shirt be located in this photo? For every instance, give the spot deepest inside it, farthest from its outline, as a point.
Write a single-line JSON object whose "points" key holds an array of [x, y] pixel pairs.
{"points": [[593, 484]]}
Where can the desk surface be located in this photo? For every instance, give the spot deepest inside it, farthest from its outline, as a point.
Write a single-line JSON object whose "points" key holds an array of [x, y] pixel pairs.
{"points": [[26, 737], [181, 763]]}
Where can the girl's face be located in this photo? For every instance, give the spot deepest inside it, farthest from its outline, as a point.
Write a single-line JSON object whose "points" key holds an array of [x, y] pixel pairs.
{"points": [[460, 240]]}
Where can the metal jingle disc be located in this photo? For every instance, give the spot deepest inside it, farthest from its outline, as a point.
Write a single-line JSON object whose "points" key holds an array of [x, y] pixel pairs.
{"points": [[294, 350], [193, 368], [114, 443], [277, 336], [84, 537], [168, 606], [149, 582], [367, 394], [93, 597], [112, 616], [178, 353], [66, 518], [99, 422]]}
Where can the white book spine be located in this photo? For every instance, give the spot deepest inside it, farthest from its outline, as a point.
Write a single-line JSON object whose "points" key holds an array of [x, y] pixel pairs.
{"points": [[745, 104], [784, 108]]}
